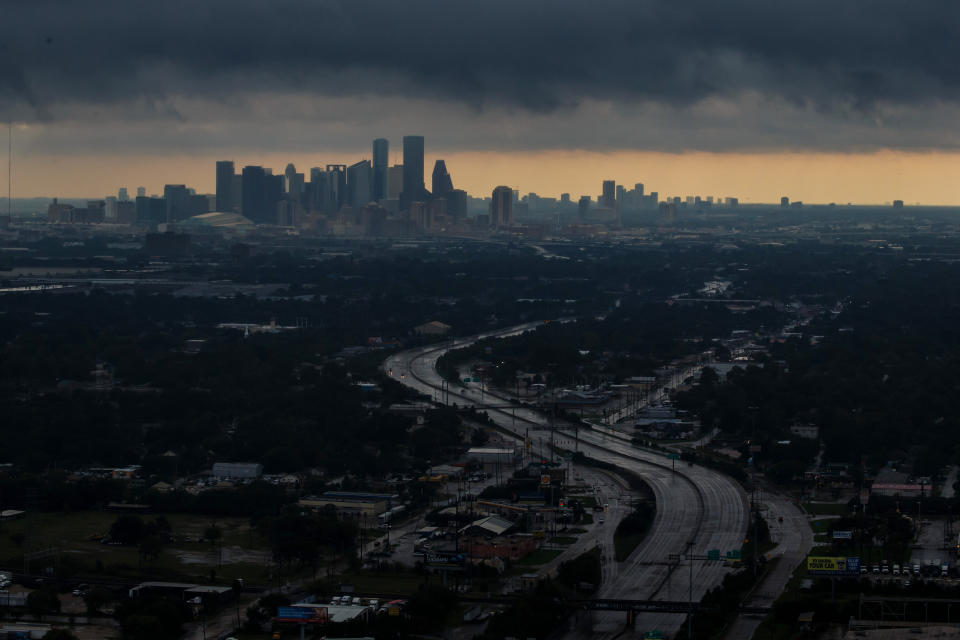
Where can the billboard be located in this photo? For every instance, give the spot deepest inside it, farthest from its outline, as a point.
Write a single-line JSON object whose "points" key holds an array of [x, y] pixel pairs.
{"points": [[833, 566], [444, 560], [843, 535], [302, 614]]}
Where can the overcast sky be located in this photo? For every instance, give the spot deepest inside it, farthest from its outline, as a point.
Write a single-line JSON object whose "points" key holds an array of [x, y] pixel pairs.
{"points": [[128, 78]]}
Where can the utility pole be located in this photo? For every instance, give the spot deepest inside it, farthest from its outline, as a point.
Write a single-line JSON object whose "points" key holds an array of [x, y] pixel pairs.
{"points": [[690, 595]]}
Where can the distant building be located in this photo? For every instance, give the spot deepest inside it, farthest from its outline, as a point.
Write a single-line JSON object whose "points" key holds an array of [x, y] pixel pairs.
{"points": [[358, 184], [380, 184], [583, 207], [414, 189], [394, 181], [609, 197], [177, 200], [253, 190], [898, 204], [456, 204], [784, 201], [501, 207], [433, 328], [809, 431], [237, 470], [150, 212], [225, 173], [442, 182]]}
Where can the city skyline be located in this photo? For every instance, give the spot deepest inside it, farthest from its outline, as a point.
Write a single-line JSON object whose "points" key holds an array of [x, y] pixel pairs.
{"points": [[756, 85], [876, 178]]}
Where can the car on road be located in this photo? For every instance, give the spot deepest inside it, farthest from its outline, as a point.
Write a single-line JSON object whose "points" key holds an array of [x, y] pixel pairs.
{"points": [[81, 590]]}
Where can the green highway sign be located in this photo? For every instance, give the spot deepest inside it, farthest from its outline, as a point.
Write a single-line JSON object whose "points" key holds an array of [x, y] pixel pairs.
{"points": [[713, 555], [674, 456], [467, 380], [656, 634], [733, 555]]}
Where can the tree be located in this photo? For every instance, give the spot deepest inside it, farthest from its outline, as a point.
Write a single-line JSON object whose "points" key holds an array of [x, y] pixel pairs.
{"points": [[96, 599], [214, 535], [151, 546], [59, 634], [127, 529], [43, 601]]}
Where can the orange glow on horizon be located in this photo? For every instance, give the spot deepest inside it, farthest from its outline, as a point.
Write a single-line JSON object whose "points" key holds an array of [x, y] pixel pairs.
{"points": [[862, 178]]}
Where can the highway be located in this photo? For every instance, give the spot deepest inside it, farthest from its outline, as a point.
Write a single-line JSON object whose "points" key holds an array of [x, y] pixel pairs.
{"points": [[694, 503]]}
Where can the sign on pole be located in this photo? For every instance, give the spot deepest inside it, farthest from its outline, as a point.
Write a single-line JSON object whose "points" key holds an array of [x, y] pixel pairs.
{"points": [[833, 566], [713, 555], [843, 535]]}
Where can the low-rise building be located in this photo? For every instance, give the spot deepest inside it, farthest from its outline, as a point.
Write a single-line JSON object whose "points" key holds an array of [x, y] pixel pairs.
{"points": [[238, 470]]}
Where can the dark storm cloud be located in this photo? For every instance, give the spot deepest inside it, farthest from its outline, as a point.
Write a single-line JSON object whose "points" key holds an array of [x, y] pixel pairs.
{"points": [[59, 58]]}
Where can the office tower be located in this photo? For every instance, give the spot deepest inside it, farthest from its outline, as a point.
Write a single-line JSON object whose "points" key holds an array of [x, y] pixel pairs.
{"points": [[253, 204], [784, 201], [122, 195], [395, 181], [225, 173], [274, 194], [358, 184], [609, 196], [442, 182], [501, 207], [583, 206], [141, 192], [126, 212], [413, 186], [621, 195], [150, 211], [456, 204], [564, 198], [289, 179], [334, 188], [177, 199], [380, 187], [315, 189], [110, 209], [639, 189]]}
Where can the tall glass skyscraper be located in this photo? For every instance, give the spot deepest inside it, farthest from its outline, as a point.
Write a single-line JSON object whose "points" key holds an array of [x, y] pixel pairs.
{"points": [[380, 186], [413, 187], [225, 197]]}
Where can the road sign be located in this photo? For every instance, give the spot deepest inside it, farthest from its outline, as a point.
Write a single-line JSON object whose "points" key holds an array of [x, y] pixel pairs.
{"points": [[656, 634], [713, 555], [733, 554], [467, 380], [674, 456]]}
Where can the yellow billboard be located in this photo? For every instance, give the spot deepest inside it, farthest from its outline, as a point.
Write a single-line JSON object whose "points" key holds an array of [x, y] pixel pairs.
{"points": [[833, 566]]}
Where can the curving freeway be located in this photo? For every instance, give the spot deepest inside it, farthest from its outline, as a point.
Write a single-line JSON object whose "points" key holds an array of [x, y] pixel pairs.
{"points": [[694, 504]]}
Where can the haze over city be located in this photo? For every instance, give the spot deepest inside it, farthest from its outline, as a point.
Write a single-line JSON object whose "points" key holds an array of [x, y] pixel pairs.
{"points": [[479, 320], [545, 96]]}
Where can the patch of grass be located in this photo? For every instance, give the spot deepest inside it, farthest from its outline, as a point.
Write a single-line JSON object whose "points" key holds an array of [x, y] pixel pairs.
{"points": [[78, 535], [820, 526], [538, 557], [565, 540]]}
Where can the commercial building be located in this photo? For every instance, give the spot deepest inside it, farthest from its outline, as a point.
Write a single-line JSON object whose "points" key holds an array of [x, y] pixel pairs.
{"points": [[380, 185], [501, 207], [432, 328], [414, 189], [358, 184], [225, 195], [351, 503], [237, 470]]}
